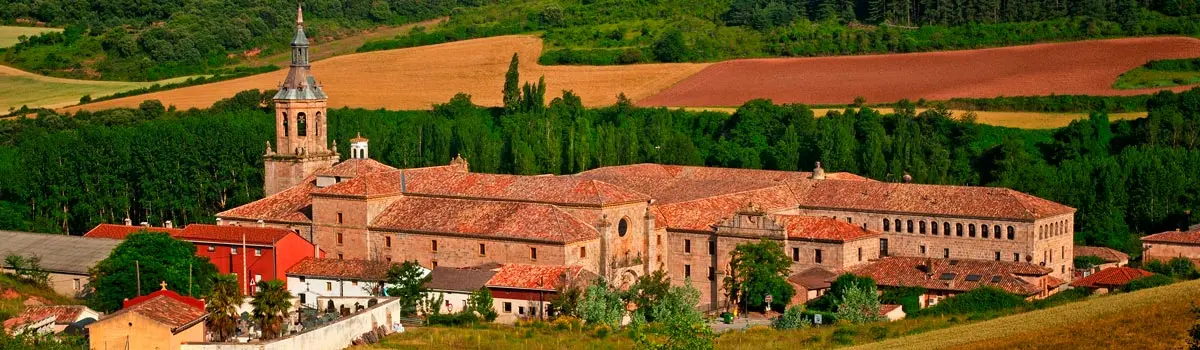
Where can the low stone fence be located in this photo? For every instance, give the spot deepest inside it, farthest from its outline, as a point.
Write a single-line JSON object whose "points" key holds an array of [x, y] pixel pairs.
{"points": [[337, 335]]}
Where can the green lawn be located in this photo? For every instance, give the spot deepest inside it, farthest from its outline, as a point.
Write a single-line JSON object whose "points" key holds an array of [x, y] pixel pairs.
{"points": [[19, 88], [9, 34], [1142, 77]]}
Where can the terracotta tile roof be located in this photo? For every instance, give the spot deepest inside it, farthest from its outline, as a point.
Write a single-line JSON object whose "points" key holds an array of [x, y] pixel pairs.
{"points": [[464, 280], [166, 307], [114, 231], [363, 270], [942, 200], [1105, 253], [822, 229], [954, 275], [355, 167], [813, 278], [535, 277], [508, 220], [1111, 277], [233, 234], [290, 205], [1185, 237], [702, 214], [670, 190], [63, 315], [706, 173], [884, 309]]}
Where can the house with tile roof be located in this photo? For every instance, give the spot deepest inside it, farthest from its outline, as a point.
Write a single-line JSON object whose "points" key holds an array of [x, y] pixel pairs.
{"points": [[160, 320], [455, 285], [66, 259], [1110, 279], [1109, 257], [1164, 246], [48, 318], [524, 291], [945, 278], [314, 279]]}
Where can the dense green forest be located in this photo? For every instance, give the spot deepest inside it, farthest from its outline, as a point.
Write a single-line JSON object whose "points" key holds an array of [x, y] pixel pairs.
{"points": [[68, 173], [157, 39], [624, 32]]}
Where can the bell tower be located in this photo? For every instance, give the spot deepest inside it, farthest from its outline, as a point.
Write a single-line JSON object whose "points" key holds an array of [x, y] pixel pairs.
{"points": [[300, 123]]}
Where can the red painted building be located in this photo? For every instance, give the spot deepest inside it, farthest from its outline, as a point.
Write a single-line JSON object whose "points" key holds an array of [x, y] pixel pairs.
{"points": [[252, 253]]}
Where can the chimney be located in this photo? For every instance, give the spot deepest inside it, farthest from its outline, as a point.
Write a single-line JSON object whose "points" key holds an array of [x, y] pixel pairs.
{"points": [[818, 173], [261, 223], [168, 224], [907, 178], [145, 224], [218, 221], [128, 222]]}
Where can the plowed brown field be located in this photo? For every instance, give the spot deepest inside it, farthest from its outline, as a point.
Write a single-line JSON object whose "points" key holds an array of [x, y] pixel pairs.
{"points": [[1085, 67], [417, 78]]}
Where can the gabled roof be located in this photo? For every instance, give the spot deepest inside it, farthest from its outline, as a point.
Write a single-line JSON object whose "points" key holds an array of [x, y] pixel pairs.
{"points": [[501, 220], [663, 171], [1105, 253], [1184, 237], [942, 200], [62, 314], [533, 277], [362, 270], [822, 229], [166, 307], [291, 205], [233, 234], [813, 278], [355, 167], [702, 214], [59, 253], [114, 231], [465, 280], [1111, 277], [953, 274]]}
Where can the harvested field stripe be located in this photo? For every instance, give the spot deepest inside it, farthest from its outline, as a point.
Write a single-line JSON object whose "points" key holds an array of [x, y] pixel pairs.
{"points": [[1023, 120]]}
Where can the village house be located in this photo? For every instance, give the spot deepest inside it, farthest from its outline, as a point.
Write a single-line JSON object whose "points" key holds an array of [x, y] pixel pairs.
{"points": [[455, 285], [50, 319], [523, 291], [1110, 279], [622, 222], [313, 280], [160, 320], [1165, 246], [1110, 258], [67, 259], [945, 278], [253, 253]]}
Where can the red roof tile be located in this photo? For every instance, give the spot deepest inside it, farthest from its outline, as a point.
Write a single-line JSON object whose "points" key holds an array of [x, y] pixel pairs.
{"points": [[510, 220], [166, 307], [535, 277], [955, 201], [363, 270], [290, 205], [884, 309], [913, 272], [120, 231], [1105, 253], [702, 214], [822, 229], [1185, 237], [1111, 277], [355, 167], [233, 234], [63, 315]]}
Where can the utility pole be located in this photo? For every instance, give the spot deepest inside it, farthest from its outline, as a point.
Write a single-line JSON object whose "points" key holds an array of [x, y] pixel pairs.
{"points": [[244, 268], [138, 268]]}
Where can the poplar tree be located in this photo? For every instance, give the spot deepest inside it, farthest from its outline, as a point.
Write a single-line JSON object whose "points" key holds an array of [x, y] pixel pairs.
{"points": [[512, 86]]}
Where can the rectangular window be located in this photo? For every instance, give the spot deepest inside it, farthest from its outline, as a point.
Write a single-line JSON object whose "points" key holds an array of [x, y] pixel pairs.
{"points": [[817, 256], [687, 271], [883, 247], [354, 283], [387, 241], [340, 257], [339, 238], [258, 252], [582, 252], [687, 246], [1017, 257], [507, 307], [946, 253], [482, 249], [328, 286], [302, 299], [1062, 252], [339, 217], [796, 254], [233, 251], [997, 256], [533, 253], [712, 247], [922, 250], [78, 284], [659, 239], [910, 226], [849, 219], [212, 248], [712, 273], [434, 245], [433, 262], [859, 253], [521, 310]]}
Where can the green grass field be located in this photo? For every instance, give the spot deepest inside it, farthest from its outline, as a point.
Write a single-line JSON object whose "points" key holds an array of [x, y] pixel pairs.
{"points": [[1142, 77], [19, 88], [9, 34]]}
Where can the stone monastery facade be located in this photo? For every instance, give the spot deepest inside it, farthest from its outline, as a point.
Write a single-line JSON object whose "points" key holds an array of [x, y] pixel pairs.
{"points": [[626, 221]]}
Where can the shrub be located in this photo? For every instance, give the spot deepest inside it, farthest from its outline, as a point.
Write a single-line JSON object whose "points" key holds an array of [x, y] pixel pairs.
{"points": [[827, 318], [908, 297], [1087, 261], [456, 319], [859, 304], [1148, 282], [1063, 297], [602, 305], [793, 318], [981, 300], [602, 331]]}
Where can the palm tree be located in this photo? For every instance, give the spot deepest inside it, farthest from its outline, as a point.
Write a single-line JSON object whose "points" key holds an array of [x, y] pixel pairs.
{"points": [[271, 304], [222, 307]]}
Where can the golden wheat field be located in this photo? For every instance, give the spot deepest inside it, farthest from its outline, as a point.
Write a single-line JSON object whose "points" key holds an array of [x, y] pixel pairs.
{"points": [[417, 78]]}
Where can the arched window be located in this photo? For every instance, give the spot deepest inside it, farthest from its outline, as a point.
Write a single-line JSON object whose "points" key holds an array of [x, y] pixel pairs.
{"points": [[946, 228], [971, 228], [887, 225], [934, 226], [319, 122], [922, 227], [910, 225], [286, 131], [1012, 233], [301, 124], [996, 230], [899, 227], [958, 229], [983, 231]]}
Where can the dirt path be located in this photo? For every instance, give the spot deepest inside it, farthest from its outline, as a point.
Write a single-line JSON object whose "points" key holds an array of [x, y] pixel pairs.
{"points": [[1083, 67]]}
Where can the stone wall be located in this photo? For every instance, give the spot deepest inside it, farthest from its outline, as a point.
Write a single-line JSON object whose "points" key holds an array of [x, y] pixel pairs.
{"points": [[455, 251], [1166, 251], [337, 335]]}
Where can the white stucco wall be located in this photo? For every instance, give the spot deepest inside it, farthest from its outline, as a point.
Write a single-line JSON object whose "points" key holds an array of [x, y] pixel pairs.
{"points": [[337, 335]]}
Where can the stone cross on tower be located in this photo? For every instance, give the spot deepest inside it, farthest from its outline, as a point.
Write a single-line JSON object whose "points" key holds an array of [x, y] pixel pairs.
{"points": [[163, 284], [301, 140]]}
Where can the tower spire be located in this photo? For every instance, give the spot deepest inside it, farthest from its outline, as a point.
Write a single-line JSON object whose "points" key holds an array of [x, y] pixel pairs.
{"points": [[299, 13]]}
